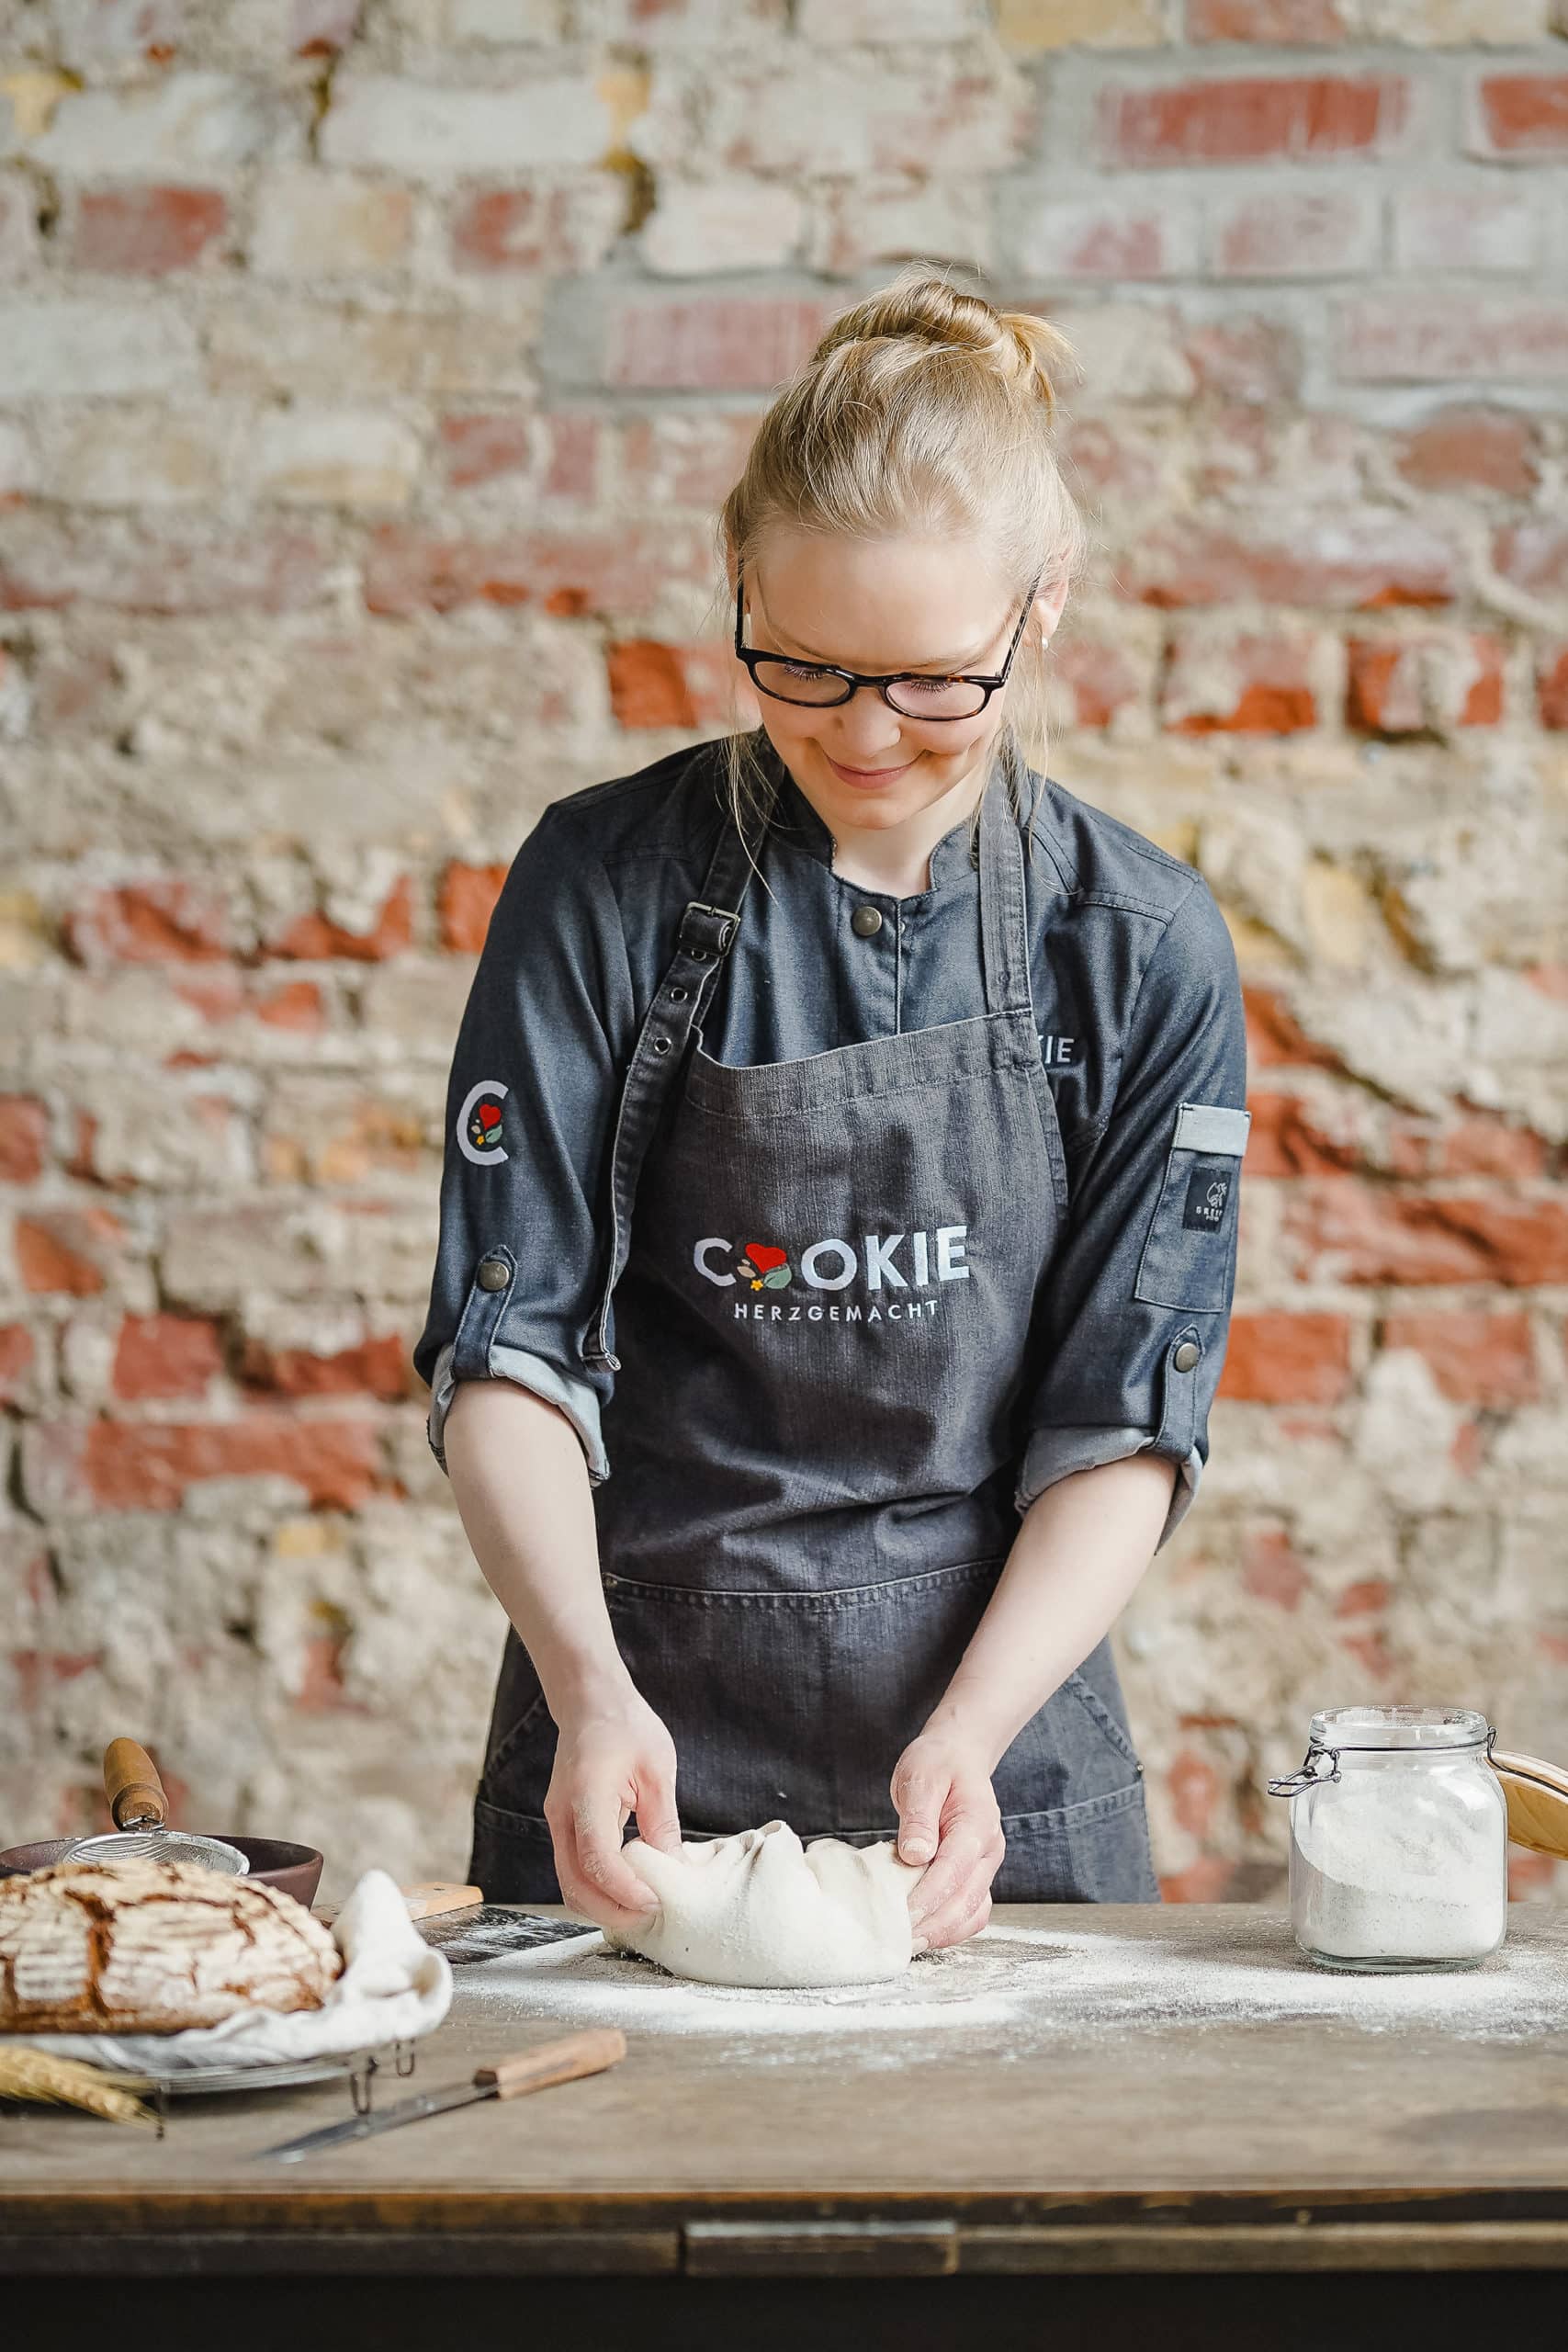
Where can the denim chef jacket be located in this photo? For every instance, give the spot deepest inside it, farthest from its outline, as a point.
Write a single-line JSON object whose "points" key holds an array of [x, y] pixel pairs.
{"points": [[1136, 998]]}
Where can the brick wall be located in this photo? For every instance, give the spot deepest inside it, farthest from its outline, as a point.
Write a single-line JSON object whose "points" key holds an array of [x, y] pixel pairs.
{"points": [[367, 379]]}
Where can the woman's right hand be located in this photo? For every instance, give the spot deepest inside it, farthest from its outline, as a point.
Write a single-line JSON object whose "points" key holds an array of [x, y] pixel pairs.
{"points": [[613, 1758]]}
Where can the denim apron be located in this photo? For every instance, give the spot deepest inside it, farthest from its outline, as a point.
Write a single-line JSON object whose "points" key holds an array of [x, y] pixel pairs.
{"points": [[822, 1313]]}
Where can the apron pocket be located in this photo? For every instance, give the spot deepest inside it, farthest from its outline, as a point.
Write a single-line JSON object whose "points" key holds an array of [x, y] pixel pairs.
{"points": [[1189, 1257], [1094, 1852]]}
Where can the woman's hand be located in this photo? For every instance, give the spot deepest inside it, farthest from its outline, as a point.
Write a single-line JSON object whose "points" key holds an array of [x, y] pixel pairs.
{"points": [[612, 1760], [948, 1817]]}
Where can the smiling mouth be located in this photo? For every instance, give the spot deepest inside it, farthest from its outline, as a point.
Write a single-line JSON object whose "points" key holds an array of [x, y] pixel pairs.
{"points": [[868, 773]]}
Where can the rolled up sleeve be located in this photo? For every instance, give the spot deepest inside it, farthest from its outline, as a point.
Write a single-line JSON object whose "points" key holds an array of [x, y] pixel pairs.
{"points": [[530, 1112], [1130, 1338]]}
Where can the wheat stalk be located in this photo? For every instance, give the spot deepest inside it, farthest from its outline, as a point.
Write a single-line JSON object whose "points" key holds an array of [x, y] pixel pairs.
{"points": [[67, 2082]]}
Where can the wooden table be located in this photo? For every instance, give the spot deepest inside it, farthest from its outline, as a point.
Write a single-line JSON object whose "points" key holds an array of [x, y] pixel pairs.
{"points": [[1004, 2178]]}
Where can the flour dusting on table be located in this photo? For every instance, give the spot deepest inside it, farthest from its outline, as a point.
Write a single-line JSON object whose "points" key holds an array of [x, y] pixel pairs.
{"points": [[1044, 1983]]}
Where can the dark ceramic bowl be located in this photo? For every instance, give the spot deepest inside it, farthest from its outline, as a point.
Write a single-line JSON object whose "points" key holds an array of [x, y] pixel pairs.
{"points": [[295, 1870]]}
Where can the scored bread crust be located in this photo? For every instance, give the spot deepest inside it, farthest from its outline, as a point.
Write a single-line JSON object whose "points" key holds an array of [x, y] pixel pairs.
{"points": [[147, 1946]]}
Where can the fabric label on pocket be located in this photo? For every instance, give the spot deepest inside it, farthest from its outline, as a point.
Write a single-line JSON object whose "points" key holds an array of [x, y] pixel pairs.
{"points": [[1208, 1198]]}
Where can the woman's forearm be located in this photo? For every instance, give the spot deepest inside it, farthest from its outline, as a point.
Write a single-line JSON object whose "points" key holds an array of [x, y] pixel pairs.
{"points": [[1079, 1554], [521, 1486]]}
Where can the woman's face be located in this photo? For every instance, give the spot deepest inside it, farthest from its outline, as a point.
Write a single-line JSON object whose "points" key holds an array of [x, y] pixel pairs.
{"points": [[910, 604]]}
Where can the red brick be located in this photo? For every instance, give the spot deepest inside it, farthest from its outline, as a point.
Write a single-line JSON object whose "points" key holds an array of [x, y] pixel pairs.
{"points": [[1194, 1788], [1385, 690], [1420, 338], [149, 923], [1297, 117], [1535, 556], [1356, 563], [1098, 679], [40, 1670], [1525, 114], [24, 1139], [16, 1357], [1244, 359], [559, 229], [165, 1355], [1297, 234], [571, 574], [321, 1686], [54, 561], [1284, 1141], [1551, 687], [146, 231], [712, 342], [1247, 683], [1470, 447], [1476, 1357], [1286, 24], [1270, 1569], [1279, 1359], [465, 904], [143, 1465], [1356, 1233], [1483, 1145], [1275, 1035], [297, 1005], [1367, 1599], [313, 939], [67, 1249], [375, 1367], [680, 460], [1208, 1879], [654, 684], [322, 27], [480, 448]]}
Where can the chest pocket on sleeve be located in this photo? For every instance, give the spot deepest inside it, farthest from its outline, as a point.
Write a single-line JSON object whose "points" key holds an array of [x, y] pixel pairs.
{"points": [[1190, 1256]]}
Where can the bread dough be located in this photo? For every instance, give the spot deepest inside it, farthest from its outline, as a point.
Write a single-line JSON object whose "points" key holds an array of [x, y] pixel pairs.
{"points": [[760, 1909]]}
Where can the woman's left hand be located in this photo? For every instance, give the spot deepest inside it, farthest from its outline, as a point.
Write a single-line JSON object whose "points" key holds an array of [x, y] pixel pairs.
{"points": [[948, 1817]]}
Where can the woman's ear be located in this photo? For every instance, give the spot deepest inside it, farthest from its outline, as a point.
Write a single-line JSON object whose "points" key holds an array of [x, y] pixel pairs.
{"points": [[1048, 607]]}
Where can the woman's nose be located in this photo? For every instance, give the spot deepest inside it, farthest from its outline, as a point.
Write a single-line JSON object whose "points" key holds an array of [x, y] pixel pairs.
{"points": [[866, 726]]}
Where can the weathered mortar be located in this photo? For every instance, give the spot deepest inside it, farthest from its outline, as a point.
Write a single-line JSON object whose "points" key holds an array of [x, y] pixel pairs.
{"points": [[367, 379]]}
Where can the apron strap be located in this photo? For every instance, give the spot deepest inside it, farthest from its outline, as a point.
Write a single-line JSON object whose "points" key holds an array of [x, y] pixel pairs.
{"points": [[1004, 914], [708, 930]]}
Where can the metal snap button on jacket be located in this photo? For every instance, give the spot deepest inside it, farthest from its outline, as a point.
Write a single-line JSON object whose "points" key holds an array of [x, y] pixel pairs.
{"points": [[493, 1273], [1187, 1356], [865, 922]]}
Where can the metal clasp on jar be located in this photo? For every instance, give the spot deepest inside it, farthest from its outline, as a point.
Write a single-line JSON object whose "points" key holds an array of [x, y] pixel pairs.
{"points": [[1305, 1773]]}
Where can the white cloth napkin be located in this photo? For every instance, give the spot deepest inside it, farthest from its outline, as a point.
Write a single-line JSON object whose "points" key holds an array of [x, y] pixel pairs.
{"points": [[393, 1988]]}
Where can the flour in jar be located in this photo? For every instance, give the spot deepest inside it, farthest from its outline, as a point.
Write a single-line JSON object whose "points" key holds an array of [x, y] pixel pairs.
{"points": [[1397, 1866]]}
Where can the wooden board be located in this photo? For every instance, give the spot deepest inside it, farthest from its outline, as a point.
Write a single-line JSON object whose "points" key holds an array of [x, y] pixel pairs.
{"points": [[1040, 2130]]}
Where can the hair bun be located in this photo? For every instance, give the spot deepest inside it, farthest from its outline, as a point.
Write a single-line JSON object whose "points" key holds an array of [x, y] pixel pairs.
{"points": [[920, 306]]}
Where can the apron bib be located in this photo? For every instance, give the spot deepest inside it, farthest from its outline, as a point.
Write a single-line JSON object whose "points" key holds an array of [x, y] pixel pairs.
{"points": [[822, 1310]]}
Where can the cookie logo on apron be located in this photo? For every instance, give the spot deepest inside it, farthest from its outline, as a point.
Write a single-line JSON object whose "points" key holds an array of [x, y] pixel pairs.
{"points": [[480, 1123], [765, 1267]]}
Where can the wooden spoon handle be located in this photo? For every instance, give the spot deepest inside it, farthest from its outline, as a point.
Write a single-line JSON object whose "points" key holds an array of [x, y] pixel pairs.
{"points": [[555, 2062], [1536, 1794], [131, 1785]]}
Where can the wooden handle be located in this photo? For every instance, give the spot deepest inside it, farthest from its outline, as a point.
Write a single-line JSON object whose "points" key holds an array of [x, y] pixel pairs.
{"points": [[131, 1785], [555, 2062], [1536, 1794], [430, 1901]]}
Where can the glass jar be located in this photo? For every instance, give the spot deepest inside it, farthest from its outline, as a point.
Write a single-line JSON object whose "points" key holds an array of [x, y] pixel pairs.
{"points": [[1399, 1850]]}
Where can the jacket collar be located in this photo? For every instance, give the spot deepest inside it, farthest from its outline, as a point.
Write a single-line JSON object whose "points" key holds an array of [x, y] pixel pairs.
{"points": [[799, 824]]}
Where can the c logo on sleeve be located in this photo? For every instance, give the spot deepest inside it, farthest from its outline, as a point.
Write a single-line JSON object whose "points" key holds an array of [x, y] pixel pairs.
{"points": [[480, 1123]]}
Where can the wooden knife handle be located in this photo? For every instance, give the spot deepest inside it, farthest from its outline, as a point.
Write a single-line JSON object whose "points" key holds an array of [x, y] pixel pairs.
{"points": [[131, 1785], [429, 1902], [555, 2062]]}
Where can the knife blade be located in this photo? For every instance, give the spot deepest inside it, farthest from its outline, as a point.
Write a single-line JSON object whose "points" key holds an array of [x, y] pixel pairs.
{"points": [[565, 2061]]}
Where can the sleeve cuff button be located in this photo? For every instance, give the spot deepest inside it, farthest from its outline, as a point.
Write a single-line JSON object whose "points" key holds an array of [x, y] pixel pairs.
{"points": [[493, 1273], [1187, 1356]]}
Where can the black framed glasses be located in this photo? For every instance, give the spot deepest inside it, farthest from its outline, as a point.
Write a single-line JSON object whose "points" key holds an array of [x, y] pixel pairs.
{"points": [[913, 694]]}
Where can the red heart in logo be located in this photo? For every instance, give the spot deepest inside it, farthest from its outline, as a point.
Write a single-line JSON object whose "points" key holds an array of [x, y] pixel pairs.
{"points": [[489, 1116], [764, 1257]]}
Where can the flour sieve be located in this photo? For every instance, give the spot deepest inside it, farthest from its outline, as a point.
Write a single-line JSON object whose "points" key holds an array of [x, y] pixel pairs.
{"points": [[140, 1810]]}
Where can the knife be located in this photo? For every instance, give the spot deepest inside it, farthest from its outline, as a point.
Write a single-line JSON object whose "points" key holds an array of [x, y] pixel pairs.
{"points": [[527, 2070]]}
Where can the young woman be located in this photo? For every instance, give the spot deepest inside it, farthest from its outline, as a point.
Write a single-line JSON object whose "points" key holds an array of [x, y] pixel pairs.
{"points": [[839, 1222]]}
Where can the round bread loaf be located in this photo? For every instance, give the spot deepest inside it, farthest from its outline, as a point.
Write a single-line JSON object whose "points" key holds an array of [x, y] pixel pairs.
{"points": [[144, 1947]]}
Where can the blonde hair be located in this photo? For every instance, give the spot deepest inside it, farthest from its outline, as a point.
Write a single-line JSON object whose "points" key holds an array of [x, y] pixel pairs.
{"points": [[924, 410]]}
